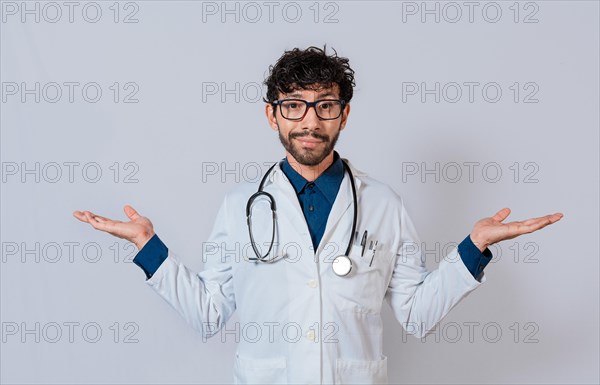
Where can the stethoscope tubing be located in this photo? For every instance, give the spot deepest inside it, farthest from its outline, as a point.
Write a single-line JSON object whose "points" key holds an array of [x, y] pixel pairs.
{"points": [[260, 192]]}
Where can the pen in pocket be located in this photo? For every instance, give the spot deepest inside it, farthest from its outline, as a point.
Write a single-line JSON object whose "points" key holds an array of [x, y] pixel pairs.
{"points": [[374, 250], [363, 243]]}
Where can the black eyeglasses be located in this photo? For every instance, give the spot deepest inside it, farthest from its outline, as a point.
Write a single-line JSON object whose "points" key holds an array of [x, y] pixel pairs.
{"points": [[296, 109]]}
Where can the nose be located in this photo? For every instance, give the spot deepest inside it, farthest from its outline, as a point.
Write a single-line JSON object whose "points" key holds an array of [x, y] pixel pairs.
{"points": [[311, 120]]}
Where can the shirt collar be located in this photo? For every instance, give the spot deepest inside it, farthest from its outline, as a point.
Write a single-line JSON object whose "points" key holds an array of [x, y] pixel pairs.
{"points": [[328, 182]]}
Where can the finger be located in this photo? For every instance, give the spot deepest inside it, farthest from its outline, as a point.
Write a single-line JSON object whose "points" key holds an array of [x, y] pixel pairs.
{"points": [[90, 218], [89, 215], [532, 225], [548, 219], [100, 218], [501, 215], [80, 215], [131, 213], [99, 223], [551, 218]]}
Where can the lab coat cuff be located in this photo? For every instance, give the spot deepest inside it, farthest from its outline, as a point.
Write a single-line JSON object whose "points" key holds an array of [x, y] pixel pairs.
{"points": [[168, 266], [455, 260], [151, 256]]}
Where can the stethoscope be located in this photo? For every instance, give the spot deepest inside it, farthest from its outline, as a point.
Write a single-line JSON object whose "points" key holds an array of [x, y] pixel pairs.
{"points": [[342, 264]]}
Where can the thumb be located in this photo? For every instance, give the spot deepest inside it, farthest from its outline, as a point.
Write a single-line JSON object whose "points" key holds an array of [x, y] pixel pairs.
{"points": [[131, 213], [501, 215]]}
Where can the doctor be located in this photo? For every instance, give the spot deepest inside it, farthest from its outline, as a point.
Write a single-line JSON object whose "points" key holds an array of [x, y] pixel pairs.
{"points": [[323, 247]]}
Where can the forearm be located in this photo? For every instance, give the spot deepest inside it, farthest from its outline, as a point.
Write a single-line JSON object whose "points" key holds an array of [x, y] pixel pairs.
{"points": [[199, 298]]}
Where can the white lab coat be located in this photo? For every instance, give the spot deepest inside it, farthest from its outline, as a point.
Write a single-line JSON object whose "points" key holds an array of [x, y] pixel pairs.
{"points": [[298, 321]]}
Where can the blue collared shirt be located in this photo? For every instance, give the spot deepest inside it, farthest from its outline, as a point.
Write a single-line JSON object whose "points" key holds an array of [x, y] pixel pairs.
{"points": [[316, 198]]}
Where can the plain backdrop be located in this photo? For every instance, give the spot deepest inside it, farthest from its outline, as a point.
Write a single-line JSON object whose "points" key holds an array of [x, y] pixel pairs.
{"points": [[462, 108]]}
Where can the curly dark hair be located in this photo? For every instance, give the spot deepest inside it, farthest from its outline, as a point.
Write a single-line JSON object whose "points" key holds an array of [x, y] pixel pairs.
{"points": [[307, 69]]}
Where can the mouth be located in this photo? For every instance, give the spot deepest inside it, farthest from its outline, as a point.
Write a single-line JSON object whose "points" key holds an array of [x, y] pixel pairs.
{"points": [[309, 143]]}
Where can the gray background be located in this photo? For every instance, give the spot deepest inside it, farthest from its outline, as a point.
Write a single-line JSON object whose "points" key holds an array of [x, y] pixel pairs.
{"points": [[534, 321]]}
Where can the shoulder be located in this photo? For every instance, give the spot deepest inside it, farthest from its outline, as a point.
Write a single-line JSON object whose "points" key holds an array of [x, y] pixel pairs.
{"points": [[242, 189], [375, 188], [375, 185]]}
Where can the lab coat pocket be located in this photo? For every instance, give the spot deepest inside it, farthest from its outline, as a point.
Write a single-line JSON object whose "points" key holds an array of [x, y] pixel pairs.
{"points": [[361, 372], [259, 370], [363, 289]]}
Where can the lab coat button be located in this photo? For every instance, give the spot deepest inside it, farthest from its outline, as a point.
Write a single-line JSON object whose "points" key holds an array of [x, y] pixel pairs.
{"points": [[310, 335], [312, 283]]}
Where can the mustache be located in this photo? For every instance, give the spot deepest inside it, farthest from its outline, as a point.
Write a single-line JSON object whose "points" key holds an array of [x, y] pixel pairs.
{"points": [[324, 138]]}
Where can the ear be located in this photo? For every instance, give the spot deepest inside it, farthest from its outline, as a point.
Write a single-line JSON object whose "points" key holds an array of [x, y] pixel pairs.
{"points": [[345, 114], [270, 113]]}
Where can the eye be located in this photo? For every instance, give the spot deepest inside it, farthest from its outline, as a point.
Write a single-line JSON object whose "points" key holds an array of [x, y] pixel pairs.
{"points": [[292, 105]]}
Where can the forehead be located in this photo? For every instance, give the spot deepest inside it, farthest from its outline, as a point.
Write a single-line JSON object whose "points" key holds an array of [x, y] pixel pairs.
{"points": [[313, 91]]}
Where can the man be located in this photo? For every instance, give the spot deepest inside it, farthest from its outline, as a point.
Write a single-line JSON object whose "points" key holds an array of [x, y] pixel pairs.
{"points": [[315, 318]]}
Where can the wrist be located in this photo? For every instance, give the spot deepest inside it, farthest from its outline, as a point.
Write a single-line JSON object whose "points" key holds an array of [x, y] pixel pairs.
{"points": [[479, 243], [141, 241]]}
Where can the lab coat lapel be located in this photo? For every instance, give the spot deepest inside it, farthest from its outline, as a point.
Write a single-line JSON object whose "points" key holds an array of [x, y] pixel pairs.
{"points": [[288, 206]]}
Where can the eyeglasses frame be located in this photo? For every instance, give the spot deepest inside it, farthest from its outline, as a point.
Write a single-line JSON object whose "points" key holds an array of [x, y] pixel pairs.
{"points": [[309, 105]]}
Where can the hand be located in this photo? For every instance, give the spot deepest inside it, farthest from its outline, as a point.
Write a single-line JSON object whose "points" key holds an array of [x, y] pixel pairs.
{"points": [[138, 230], [491, 230]]}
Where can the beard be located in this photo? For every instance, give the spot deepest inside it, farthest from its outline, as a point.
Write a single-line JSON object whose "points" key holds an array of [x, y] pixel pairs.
{"points": [[308, 156]]}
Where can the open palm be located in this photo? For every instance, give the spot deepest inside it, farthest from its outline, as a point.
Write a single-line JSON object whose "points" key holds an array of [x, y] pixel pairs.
{"points": [[490, 230], [138, 230]]}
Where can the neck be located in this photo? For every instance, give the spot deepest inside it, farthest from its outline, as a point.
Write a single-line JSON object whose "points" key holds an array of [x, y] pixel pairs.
{"points": [[310, 173]]}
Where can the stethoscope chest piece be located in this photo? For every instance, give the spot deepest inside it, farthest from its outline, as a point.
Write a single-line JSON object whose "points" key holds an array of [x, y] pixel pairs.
{"points": [[342, 265]]}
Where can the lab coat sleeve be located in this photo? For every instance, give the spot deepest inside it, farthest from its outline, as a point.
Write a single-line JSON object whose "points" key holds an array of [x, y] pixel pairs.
{"points": [[206, 299], [419, 298]]}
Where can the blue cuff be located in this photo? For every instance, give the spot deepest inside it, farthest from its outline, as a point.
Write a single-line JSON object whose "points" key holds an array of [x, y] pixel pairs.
{"points": [[151, 256], [472, 257]]}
